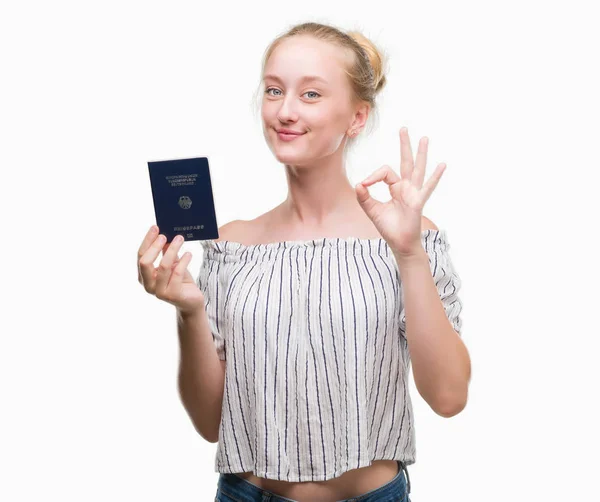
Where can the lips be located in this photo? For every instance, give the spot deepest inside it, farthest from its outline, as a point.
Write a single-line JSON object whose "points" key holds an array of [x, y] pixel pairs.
{"points": [[288, 131], [291, 136]]}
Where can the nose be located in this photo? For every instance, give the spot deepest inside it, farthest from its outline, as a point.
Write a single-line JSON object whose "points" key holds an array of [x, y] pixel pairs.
{"points": [[286, 112]]}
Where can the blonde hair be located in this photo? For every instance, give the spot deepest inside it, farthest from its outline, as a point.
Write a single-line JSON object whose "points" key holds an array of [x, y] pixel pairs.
{"points": [[366, 72]]}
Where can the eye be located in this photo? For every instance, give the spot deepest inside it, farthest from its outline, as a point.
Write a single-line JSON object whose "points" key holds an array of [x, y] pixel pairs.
{"points": [[275, 89]]}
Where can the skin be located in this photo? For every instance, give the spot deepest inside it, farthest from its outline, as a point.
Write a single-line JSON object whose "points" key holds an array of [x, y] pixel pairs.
{"points": [[320, 193]]}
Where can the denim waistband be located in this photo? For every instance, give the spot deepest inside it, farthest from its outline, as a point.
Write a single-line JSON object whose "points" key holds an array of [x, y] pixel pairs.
{"points": [[235, 486]]}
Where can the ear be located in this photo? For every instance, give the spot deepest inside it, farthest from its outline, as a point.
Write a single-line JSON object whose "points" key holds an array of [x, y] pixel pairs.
{"points": [[360, 117]]}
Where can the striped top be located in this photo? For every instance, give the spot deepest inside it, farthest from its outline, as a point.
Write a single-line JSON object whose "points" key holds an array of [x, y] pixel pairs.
{"points": [[313, 332]]}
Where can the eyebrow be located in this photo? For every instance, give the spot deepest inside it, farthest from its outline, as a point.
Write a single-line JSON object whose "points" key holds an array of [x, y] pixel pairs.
{"points": [[306, 78]]}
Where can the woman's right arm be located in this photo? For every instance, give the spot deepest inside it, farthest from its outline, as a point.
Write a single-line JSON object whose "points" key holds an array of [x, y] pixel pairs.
{"points": [[201, 378], [201, 372]]}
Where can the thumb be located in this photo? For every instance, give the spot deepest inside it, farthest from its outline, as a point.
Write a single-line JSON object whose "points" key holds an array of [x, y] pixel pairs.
{"points": [[368, 203]]}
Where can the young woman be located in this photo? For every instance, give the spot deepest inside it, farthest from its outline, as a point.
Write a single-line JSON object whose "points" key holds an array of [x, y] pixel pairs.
{"points": [[297, 336]]}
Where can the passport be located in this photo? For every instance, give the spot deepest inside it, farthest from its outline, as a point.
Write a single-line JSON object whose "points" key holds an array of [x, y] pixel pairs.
{"points": [[183, 198]]}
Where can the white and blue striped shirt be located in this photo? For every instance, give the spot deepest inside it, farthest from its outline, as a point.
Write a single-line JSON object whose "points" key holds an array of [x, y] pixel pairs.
{"points": [[313, 332]]}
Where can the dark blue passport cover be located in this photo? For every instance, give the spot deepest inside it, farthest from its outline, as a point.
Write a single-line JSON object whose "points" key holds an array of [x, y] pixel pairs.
{"points": [[183, 198]]}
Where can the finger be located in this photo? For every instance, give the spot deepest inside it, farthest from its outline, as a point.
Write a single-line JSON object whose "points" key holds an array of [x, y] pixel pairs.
{"points": [[406, 155], [368, 203], [433, 181], [165, 267], [384, 173], [179, 272], [146, 263], [420, 163], [146, 243]]}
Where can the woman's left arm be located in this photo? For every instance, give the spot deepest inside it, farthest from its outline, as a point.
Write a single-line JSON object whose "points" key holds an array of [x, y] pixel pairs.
{"points": [[441, 363]]}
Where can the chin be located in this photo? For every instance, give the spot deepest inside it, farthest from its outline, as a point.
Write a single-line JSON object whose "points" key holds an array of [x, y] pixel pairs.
{"points": [[286, 150], [295, 158], [289, 159]]}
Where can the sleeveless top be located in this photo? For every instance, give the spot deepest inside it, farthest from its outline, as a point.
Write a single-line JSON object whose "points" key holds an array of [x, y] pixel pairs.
{"points": [[313, 332]]}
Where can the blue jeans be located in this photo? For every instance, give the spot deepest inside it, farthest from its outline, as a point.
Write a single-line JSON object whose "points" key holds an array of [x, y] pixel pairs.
{"points": [[232, 488]]}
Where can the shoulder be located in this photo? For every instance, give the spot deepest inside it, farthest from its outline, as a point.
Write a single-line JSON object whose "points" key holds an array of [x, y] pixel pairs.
{"points": [[427, 224], [247, 232], [229, 230], [235, 230]]}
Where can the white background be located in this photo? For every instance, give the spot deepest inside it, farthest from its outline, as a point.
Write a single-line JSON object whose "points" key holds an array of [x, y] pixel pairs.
{"points": [[507, 94]]}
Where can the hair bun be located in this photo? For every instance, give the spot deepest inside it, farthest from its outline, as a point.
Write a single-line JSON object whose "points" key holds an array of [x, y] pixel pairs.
{"points": [[376, 58]]}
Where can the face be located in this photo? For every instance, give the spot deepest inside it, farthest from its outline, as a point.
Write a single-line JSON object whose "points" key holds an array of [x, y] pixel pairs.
{"points": [[318, 109]]}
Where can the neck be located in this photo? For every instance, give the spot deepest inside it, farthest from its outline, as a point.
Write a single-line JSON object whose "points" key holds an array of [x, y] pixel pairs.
{"points": [[318, 194]]}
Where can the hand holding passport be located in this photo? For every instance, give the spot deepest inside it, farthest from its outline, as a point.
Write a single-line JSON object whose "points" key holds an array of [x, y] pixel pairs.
{"points": [[183, 198]]}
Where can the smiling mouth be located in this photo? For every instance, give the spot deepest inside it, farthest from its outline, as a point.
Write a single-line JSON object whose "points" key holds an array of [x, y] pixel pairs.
{"points": [[288, 137]]}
